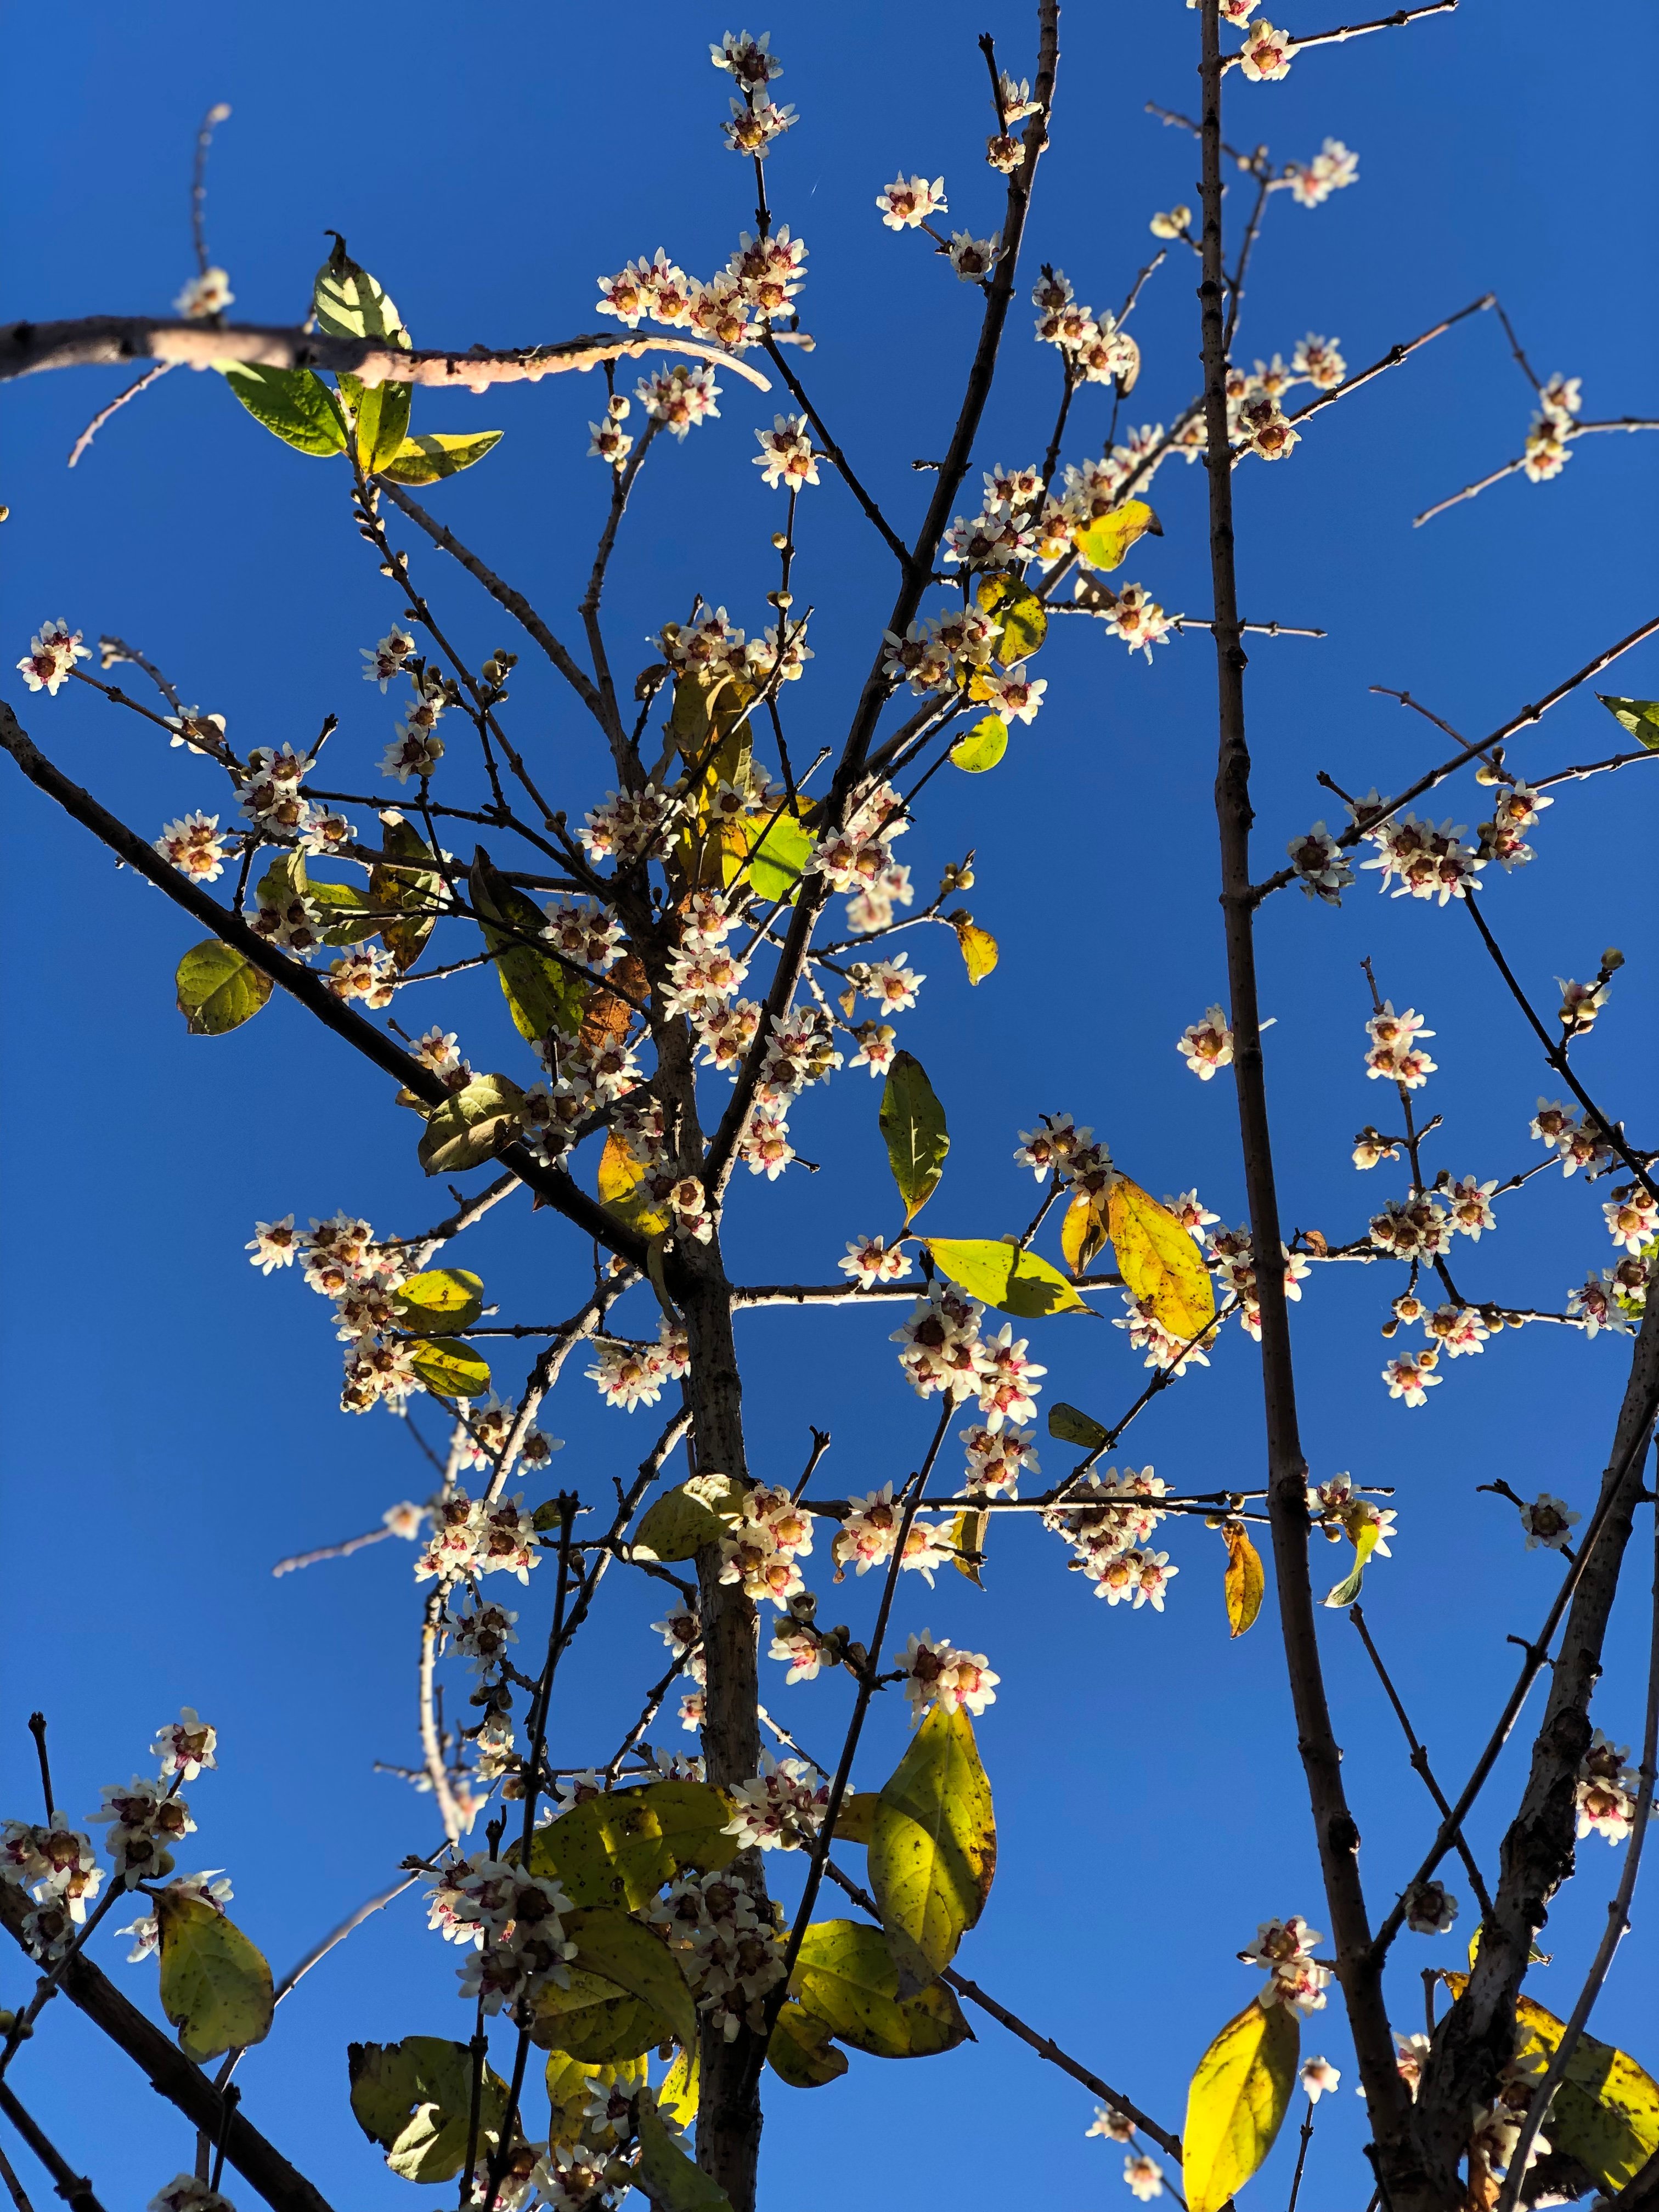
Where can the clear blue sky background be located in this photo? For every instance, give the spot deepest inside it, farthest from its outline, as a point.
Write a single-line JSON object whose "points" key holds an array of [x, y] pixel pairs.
{"points": [[170, 1423]]}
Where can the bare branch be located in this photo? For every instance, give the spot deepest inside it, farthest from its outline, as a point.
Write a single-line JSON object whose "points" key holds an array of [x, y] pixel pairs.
{"points": [[73, 2188]]}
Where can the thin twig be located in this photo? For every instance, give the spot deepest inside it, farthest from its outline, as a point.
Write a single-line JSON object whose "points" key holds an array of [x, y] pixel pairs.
{"points": [[142, 383], [73, 2188]]}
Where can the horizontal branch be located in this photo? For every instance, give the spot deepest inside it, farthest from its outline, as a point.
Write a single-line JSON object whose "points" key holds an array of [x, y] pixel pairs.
{"points": [[848, 1294], [113, 341]]}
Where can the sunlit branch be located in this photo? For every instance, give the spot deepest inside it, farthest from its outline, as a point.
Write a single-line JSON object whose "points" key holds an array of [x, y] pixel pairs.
{"points": [[1401, 17]]}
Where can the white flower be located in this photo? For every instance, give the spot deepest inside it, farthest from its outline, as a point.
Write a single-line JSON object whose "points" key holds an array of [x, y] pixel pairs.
{"points": [[1207, 1045], [1546, 1522], [973, 259], [53, 650], [209, 293], [869, 1260], [779, 1810], [1144, 2176], [1319, 2078], [786, 454], [1115, 2126], [908, 202], [185, 1746], [1267, 53]]}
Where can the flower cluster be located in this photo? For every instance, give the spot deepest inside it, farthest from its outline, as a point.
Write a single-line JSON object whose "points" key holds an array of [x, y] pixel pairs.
{"points": [[1605, 1792], [511, 1921], [1231, 1256], [416, 747], [938, 1673], [757, 120], [1109, 1521], [727, 1940], [1429, 862], [1546, 451], [472, 1537], [193, 845], [1515, 810], [50, 661], [144, 1819], [733, 309], [868, 1535], [1319, 867], [1394, 1053], [1294, 1978], [996, 1459], [944, 1351], [762, 1551], [1578, 1144], [630, 1375], [857, 858], [780, 1809], [58, 1868], [1311, 183], [1093, 348]]}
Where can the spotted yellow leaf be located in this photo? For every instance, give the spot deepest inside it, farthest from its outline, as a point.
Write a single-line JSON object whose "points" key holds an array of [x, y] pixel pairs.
{"points": [[1103, 542], [1159, 1260]]}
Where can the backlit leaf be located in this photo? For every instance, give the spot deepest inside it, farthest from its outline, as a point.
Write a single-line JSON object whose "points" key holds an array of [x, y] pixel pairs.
{"points": [[847, 1976], [933, 1844], [219, 988], [1159, 1260], [450, 1369], [379, 418], [1083, 1231], [471, 1125], [1606, 2112], [982, 746], [411, 894], [351, 913], [1103, 542], [1364, 1543], [1236, 2104], [857, 1816], [1021, 615], [618, 1849], [350, 303], [632, 1956], [595, 2021], [1639, 716], [1000, 1274], [677, 2092], [215, 1986], [415, 2099], [437, 453], [541, 995], [439, 1301], [1073, 1426], [1243, 1582], [800, 2051], [979, 949], [570, 2084], [778, 846], [912, 1123], [671, 2181], [966, 1537], [291, 402], [687, 1518], [622, 1175]]}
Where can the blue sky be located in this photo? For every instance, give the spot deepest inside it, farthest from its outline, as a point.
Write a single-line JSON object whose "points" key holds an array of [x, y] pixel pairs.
{"points": [[170, 1416]]}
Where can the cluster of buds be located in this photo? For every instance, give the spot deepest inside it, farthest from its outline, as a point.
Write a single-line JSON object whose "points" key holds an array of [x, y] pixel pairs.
{"points": [[1415, 1229], [472, 1537], [780, 1809], [1109, 1521], [727, 1939], [628, 826], [1295, 1979], [806, 1648], [939, 1674]]}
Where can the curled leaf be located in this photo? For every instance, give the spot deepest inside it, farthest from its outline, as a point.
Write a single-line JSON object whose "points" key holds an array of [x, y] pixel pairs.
{"points": [[979, 947], [1244, 1581], [1103, 542]]}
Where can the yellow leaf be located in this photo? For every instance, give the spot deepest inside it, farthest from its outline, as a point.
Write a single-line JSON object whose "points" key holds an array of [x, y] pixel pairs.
{"points": [[1083, 1231], [1236, 2102], [933, 1844], [979, 948], [1000, 1274], [570, 2084], [442, 453], [856, 1817], [801, 2051], [847, 1976], [966, 1538], [215, 1986], [1364, 1543], [1606, 2112], [1103, 542], [1159, 1260], [666, 2176], [439, 1301], [620, 1847], [678, 2091], [1019, 615], [982, 746], [620, 1179], [1244, 1581], [415, 2099]]}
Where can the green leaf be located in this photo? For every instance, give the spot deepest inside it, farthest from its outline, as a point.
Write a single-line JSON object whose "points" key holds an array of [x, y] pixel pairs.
{"points": [[450, 1369], [285, 880], [780, 847], [1073, 1426], [621, 1179], [912, 1122], [595, 2021], [685, 1520], [671, 2181], [415, 2099], [292, 402], [570, 2084], [982, 746], [1244, 1581], [358, 913], [800, 2051], [620, 1848], [1639, 716], [349, 303], [439, 1301], [471, 1125], [1237, 2099], [1364, 1543], [847, 1977], [437, 453], [1020, 615], [541, 995], [678, 2091], [1000, 1274], [410, 895], [1103, 542], [219, 988], [933, 1844], [638, 1959], [1159, 1260], [379, 419], [215, 1986]]}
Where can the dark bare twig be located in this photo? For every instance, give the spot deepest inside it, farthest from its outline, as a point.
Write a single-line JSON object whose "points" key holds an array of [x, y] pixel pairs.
{"points": [[73, 2188], [38, 1731]]}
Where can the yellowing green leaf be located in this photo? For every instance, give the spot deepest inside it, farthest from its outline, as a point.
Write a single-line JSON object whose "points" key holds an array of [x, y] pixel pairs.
{"points": [[437, 453], [219, 988], [621, 1177], [638, 1959], [1000, 1274], [379, 418], [933, 1844], [1083, 1231], [1073, 1426], [1639, 716], [1606, 2112], [451, 1369], [471, 1125], [982, 746], [1021, 617], [620, 1848], [966, 1537], [847, 1976], [595, 2021], [671, 2181], [1159, 1260], [411, 896], [541, 995], [1243, 1582], [1237, 2099], [678, 2091], [778, 846], [1103, 542], [687, 1518], [215, 1986], [290, 402], [439, 1300], [979, 949], [350, 303], [1364, 1543], [570, 2084], [912, 1122], [415, 2099], [351, 913], [857, 1816], [800, 2051]]}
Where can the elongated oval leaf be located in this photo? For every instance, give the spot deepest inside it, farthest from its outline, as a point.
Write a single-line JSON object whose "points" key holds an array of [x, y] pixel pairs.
{"points": [[1083, 1231], [411, 896], [685, 1519], [215, 1986], [678, 2091], [292, 402], [779, 847], [933, 1844], [438, 1300], [979, 949], [801, 2051], [620, 1848], [1021, 615], [541, 995], [1236, 2104], [1159, 1260], [857, 1816], [380, 417], [451, 1369], [1365, 1544], [436, 454], [1639, 716], [1000, 1274], [415, 2099], [982, 747], [636, 1959], [1103, 542], [1073, 1426], [1243, 1582], [671, 2181], [912, 1123], [848, 1977], [1606, 2112], [351, 913], [350, 303], [471, 1125], [219, 988]]}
